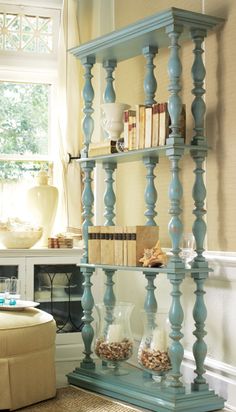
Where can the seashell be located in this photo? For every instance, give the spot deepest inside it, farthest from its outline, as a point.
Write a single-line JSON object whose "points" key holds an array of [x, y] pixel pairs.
{"points": [[154, 257]]}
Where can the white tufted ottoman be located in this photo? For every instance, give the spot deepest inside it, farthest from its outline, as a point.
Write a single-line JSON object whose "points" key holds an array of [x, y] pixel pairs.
{"points": [[27, 348]]}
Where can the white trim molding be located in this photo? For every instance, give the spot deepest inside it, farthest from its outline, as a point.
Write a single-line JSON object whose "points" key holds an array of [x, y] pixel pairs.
{"points": [[220, 376], [223, 264]]}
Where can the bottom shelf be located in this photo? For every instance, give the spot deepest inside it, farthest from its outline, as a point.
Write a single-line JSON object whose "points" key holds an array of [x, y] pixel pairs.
{"points": [[141, 391]]}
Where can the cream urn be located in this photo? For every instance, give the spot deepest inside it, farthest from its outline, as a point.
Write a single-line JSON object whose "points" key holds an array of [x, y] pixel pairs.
{"points": [[42, 201]]}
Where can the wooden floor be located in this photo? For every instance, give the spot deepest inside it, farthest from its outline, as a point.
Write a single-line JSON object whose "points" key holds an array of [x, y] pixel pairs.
{"points": [[62, 368]]}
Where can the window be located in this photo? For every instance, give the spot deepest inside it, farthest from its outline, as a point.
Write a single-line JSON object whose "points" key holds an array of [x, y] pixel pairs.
{"points": [[24, 139], [27, 98], [25, 33]]}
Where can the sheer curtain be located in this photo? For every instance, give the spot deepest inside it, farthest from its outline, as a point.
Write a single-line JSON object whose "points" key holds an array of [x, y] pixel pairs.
{"points": [[67, 175], [82, 20]]}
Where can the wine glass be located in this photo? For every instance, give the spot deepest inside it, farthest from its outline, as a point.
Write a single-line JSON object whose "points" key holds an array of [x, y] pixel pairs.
{"points": [[2, 290], [12, 290], [188, 245]]}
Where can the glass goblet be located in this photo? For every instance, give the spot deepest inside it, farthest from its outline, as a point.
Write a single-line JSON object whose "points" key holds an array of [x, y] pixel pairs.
{"points": [[188, 245], [12, 290], [2, 290]]}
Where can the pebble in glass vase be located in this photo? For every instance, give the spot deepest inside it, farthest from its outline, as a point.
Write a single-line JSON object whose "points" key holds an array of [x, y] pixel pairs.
{"points": [[153, 350], [114, 341], [42, 201]]}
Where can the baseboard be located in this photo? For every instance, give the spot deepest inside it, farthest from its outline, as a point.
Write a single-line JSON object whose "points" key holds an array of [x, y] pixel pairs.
{"points": [[220, 376], [69, 347], [69, 352]]}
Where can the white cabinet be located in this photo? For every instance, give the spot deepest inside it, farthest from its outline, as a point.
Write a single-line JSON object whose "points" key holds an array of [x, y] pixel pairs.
{"points": [[51, 277]]}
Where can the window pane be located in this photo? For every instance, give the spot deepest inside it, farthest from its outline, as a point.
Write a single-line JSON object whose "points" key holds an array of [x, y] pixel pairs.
{"points": [[14, 170], [24, 118], [15, 180], [15, 27], [31, 45], [28, 23]]}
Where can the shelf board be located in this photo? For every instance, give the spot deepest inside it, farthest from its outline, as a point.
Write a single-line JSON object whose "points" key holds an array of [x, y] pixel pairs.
{"points": [[134, 388], [129, 41], [162, 269], [137, 155]]}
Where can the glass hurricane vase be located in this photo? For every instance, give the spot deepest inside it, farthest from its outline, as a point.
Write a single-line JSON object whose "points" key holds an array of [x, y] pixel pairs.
{"points": [[153, 350], [114, 341]]}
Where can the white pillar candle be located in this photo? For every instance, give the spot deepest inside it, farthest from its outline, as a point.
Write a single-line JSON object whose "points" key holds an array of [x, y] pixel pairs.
{"points": [[158, 340], [114, 333]]}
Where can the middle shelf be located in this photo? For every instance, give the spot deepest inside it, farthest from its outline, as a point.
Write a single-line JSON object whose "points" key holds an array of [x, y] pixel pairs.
{"points": [[163, 269], [137, 155]]}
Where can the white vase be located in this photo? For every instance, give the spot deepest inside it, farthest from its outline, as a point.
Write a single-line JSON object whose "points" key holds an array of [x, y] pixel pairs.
{"points": [[42, 201], [112, 119]]}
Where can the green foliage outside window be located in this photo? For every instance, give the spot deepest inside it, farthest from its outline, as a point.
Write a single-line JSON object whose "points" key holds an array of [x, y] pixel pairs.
{"points": [[23, 125]]}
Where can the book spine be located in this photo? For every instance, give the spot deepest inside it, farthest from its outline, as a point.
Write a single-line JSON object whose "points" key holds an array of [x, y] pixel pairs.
{"points": [[133, 133], [131, 123], [125, 246], [118, 246], [148, 127], [126, 130], [163, 124], [107, 245], [155, 125], [94, 245], [131, 245], [141, 127], [137, 109]]}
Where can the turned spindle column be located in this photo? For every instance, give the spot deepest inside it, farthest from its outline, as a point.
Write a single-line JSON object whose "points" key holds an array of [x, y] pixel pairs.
{"points": [[88, 96], [150, 190], [109, 95], [150, 83], [87, 303], [176, 351], [109, 196], [199, 196]]}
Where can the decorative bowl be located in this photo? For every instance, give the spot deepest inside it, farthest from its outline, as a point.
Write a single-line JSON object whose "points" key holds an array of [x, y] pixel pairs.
{"points": [[20, 239]]}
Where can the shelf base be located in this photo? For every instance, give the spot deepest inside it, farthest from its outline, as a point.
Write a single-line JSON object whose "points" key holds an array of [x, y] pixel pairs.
{"points": [[143, 392]]}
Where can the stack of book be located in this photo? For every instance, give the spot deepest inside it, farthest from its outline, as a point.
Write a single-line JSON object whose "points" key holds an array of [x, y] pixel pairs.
{"points": [[149, 126], [60, 241], [102, 148], [120, 245]]}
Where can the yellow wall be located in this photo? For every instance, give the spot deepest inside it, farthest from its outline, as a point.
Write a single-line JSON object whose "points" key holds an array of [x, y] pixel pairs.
{"points": [[220, 60], [220, 168]]}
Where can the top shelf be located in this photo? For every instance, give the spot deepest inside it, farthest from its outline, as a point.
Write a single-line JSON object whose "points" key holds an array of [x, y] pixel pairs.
{"points": [[129, 41]]}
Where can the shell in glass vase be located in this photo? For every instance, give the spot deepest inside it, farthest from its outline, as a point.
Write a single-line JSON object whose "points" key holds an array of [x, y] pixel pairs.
{"points": [[114, 341], [153, 350]]}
